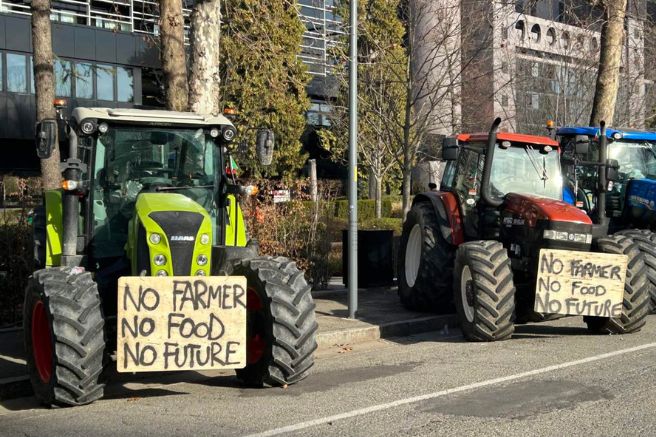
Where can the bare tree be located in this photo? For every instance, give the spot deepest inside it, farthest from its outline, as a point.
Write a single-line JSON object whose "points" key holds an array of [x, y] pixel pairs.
{"points": [[172, 53], [45, 84], [608, 75], [204, 77]]}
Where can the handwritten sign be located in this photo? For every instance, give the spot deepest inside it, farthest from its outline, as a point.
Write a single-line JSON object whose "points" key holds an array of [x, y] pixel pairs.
{"points": [[181, 323], [580, 283]]}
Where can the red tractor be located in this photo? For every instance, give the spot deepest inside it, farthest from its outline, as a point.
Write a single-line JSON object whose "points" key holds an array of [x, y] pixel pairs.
{"points": [[483, 240]]}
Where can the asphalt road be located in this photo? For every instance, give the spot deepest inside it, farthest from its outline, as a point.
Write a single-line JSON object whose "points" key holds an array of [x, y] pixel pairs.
{"points": [[551, 379]]}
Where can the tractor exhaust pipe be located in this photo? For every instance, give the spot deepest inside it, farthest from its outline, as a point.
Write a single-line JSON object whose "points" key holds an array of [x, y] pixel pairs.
{"points": [[486, 193], [602, 217]]}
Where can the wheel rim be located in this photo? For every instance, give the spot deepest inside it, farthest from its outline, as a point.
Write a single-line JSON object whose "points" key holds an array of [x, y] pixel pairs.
{"points": [[466, 288], [42, 342], [255, 343], [413, 256]]}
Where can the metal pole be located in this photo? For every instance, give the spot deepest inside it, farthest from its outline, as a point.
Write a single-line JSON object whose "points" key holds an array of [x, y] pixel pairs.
{"points": [[353, 166]]}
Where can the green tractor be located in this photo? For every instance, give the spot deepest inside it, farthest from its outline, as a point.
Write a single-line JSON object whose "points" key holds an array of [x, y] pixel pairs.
{"points": [[151, 194]]}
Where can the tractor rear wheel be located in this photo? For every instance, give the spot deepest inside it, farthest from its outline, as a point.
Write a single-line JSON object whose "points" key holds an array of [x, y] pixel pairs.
{"points": [[64, 338], [636, 289], [281, 324], [484, 292], [647, 243], [425, 265]]}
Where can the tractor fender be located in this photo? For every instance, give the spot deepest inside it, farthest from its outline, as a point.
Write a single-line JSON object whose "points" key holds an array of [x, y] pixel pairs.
{"points": [[448, 214]]}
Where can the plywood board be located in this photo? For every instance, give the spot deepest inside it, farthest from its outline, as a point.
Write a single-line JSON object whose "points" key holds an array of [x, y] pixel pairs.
{"points": [[181, 323], [580, 283]]}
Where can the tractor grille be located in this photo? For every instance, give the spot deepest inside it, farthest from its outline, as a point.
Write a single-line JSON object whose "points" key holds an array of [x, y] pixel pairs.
{"points": [[178, 227]]}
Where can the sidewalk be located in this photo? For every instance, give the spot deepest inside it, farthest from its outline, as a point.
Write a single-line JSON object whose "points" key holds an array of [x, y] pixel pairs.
{"points": [[380, 315]]}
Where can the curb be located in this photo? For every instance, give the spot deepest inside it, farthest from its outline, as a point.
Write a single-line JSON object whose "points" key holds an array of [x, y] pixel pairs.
{"points": [[398, 328]]}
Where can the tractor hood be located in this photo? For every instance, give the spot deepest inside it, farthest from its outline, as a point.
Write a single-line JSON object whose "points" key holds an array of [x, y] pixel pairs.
{"points": [[183, 234], [641, 193], [533, 209]]}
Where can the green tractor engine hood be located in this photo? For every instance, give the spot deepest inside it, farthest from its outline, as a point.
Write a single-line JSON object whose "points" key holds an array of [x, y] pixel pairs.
{"points": [[170, 235]]}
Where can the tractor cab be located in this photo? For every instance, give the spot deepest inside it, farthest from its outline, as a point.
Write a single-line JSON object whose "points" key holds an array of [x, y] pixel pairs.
{"points": [[518, 167], [631, 197]]}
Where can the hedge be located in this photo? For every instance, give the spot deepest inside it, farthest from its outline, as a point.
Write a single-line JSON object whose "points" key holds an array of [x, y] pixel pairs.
{"points": [[366, 209]]}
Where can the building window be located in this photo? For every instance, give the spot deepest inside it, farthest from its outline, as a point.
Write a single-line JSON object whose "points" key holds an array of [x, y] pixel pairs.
{"points": [[16, 73], [105, 82], [124, 84], [84, 81], [63, 76]]}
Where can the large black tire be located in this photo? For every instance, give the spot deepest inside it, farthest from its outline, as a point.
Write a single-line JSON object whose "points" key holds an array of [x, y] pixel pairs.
{"points": [[64, 338], [484, 292], [647, 243], [282, 326], [426, 285], [635, 305]]}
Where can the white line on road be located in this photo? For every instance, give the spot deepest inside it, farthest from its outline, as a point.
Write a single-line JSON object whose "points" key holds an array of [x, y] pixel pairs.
{"points": [[381, 407]]}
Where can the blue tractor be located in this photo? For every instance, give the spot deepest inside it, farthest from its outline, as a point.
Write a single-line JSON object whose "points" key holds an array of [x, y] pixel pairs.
{"points": [[629, 202]]}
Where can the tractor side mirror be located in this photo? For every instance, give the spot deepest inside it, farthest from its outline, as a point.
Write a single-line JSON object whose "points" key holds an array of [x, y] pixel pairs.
{"points": [[450, 148], [582, 145], [612, 170], [450, 154], [265, 143], [46, 137]]}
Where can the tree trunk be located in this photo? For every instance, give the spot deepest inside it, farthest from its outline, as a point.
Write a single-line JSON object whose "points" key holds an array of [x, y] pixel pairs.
{"points": [[407, 179], [174, 63], [44, 82], [608, 75], [379, 196], [204, 75]]}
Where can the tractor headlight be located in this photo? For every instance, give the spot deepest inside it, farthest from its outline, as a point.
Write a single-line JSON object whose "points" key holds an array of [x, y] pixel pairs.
{"points": [[103, 128], [229, 134], [155, 238], [204, 239], [200, 273], [88, 126], [214, 132], [162, 273], [159, 260], [201, 260]]}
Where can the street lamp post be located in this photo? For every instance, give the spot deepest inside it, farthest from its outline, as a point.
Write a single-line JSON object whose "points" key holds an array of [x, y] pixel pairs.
{"points": [[353, 166]]}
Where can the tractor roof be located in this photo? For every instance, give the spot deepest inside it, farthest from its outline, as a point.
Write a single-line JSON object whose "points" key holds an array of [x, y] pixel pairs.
{"points": [[626, 134], [145, 116], [505, 136]]}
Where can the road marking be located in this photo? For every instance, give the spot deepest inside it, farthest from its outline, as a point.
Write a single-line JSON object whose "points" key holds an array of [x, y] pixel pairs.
{"points": [[489, 382], [12, 359]]}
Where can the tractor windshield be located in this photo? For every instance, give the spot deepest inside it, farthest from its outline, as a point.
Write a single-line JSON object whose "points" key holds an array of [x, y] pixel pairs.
{"points": [[131, 160], [637, 159], [526, 170]]}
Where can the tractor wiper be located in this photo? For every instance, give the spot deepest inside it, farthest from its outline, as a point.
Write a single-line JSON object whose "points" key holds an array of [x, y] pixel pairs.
{"points": [[542, 174], [182, 187]]}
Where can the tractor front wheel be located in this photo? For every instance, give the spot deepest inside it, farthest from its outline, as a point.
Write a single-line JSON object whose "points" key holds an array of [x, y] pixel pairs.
{"points": [[484, 292], [635, 305], [281, 324], [64, 338]]}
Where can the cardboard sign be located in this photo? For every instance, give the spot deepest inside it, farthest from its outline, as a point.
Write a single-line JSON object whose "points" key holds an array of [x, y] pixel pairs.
{"points": [[580, 283], [181, 323]]}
